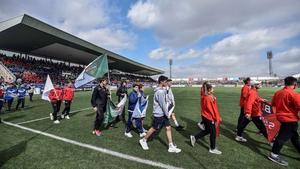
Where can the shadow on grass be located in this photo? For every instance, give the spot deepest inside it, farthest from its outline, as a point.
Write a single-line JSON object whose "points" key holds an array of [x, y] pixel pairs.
{"points": [[195, 159], [252, 144], [14, 117], [16, 150], [11, 152], [192, 128]]}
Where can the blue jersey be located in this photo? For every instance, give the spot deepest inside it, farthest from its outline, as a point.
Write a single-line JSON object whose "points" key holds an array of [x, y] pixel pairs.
{"points": [[10, 93], [133, 98], [21, 92]]}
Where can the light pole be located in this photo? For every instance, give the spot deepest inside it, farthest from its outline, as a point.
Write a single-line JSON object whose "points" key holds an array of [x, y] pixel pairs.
{"points": [[170, 63], [270, 56]]}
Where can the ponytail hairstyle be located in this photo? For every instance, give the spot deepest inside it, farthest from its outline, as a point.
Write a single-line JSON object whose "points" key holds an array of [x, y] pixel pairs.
{"points": [[203, 88], [207, 88]]}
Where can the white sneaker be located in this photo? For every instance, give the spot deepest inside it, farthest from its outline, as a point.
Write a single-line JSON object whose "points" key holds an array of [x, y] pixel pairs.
{"points": [[56, 122], [193, 140], [62, 116], [201, 126], [174, 149], [67, 117], [129, 135], [142, 135], [144, 144], [215, 151], [51, 116], [240, 139]]}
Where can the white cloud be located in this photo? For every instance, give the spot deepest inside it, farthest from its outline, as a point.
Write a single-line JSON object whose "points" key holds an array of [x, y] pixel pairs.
{"points": [[79, 17], [165, 53], [241, 55], [180, 23], [111, 39], [287, 61], [144, 21]]}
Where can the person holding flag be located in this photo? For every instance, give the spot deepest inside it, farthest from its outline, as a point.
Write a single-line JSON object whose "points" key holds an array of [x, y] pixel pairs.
{"points": [[286, 104], [68, 96], [133, 102], [99, 101], [121, 92], [171, 104], [144, 104], [21, 92], [161, 117], [253, 112], [211, 119], [55, 96], [244, 94]]}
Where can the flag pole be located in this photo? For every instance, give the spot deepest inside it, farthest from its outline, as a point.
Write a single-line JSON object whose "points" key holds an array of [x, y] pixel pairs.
{"points": [[108, 78]]}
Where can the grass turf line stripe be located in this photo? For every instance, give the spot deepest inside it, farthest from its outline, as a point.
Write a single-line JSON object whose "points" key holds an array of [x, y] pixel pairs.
{"points": [[99, 149], [43, 118]]}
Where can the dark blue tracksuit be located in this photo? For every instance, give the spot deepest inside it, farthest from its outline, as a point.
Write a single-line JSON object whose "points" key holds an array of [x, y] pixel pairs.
{"points": [[133, 100]]}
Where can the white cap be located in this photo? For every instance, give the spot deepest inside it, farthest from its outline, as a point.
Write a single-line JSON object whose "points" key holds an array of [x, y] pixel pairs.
{"points": [[254, 82]]}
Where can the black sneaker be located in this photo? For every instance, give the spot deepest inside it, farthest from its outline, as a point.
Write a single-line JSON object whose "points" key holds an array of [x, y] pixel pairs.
{"points": [[278, 160], [178, 128]]}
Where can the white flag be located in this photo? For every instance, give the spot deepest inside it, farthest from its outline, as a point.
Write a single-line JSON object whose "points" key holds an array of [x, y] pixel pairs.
{"points": [[140, 109], [48, 86]]}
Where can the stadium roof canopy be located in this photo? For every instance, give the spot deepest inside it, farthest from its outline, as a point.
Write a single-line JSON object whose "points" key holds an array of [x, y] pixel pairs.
{"points": [[25, 34]]}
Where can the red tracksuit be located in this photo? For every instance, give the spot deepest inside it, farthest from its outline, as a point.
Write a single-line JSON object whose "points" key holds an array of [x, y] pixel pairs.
{"points": [[56, 96], [68, 94], [211, 119], [253, 108], [286, 103], [210, 108], [253, 104], [244, 94], [68, 97]]}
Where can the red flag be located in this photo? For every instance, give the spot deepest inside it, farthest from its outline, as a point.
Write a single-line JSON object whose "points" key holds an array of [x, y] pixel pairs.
{"points": [[270, 121]]}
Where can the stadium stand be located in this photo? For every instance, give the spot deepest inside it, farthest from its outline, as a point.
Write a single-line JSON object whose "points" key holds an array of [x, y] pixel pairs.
{"points": [[35, 70]]}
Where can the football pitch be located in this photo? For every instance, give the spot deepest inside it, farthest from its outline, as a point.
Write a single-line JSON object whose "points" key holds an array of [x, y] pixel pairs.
{"points": [[31, 140]]}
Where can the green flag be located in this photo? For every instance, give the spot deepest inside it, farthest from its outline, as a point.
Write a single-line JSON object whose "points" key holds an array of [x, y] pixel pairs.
{"points": [[96, 69]]}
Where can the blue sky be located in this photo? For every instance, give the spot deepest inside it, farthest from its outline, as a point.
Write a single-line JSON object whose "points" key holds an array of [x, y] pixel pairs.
{"points": [[209, 38]]}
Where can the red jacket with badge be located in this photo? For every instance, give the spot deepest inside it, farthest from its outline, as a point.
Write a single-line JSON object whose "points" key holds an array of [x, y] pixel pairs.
{"points": [[210, 108], [244, 94], [68, 93], [286, 103], [55, 95], [253, 103]]}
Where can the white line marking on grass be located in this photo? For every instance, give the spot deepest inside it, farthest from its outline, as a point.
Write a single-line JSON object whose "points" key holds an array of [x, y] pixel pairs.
{"points": [[75, 111], [99, 149]]}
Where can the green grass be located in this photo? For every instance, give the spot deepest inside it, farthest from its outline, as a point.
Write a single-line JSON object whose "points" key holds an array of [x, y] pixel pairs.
{"points": [[22, 149]]}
